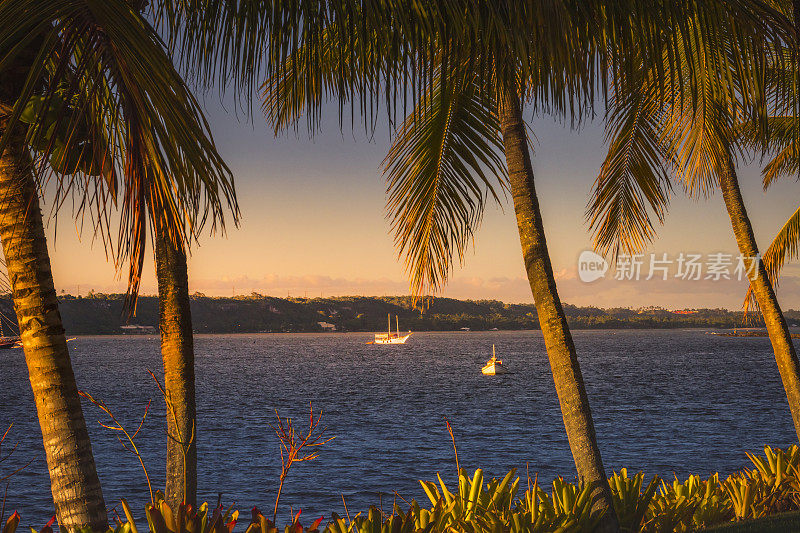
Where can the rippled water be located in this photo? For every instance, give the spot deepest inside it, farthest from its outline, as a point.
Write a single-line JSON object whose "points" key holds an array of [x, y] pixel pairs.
{"points": [[663, 401]]}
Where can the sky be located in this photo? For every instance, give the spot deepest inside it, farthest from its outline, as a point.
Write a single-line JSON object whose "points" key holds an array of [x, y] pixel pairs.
{"points": [[313, 224]]}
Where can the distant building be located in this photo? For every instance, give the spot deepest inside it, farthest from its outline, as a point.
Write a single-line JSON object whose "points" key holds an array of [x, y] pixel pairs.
{"points": [[136, 329], [327, 326]]}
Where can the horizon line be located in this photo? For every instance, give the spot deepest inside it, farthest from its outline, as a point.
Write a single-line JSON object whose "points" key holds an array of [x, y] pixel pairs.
{"points": [[257, 295]]}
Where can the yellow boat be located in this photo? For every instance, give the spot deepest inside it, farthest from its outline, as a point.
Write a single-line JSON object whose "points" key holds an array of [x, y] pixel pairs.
{"points": [[493, 366]]}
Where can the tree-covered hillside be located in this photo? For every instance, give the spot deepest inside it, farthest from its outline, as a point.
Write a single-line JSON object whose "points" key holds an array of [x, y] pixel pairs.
{"points": [[102, 314]]}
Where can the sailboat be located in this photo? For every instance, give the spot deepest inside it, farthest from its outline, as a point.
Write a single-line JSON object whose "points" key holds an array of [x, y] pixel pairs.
{"points": [[389, 337], [493, 366], [8, 342]]}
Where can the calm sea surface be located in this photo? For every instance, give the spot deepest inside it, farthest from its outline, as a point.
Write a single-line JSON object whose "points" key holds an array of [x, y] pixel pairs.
{"points": [[671, 401]]}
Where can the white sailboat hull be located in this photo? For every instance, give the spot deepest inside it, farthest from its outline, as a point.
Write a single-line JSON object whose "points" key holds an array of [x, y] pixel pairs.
{"points": [[492, 369], [382, 338]]}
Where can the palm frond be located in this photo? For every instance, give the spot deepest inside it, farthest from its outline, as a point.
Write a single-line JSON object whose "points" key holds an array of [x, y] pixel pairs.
{"points": [[780, 139], [562, 83], [243, 42], [444, 163], [776, 130], [698, 127], [633, 181], [683, 127], [784, 247], [785, 163], [105, 103], [237, 43], [699, 142], [301, 86]]}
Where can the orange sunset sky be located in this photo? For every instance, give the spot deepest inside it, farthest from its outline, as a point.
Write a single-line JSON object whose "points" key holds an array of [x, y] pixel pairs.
{"points": [[313, 223]]}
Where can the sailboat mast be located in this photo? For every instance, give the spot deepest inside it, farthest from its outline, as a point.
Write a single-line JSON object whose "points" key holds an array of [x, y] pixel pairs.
{"points": [[389, 318], [397, 329]]}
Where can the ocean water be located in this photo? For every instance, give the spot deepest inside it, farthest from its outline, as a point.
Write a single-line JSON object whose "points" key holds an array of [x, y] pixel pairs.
{"points": [[668, 402]]}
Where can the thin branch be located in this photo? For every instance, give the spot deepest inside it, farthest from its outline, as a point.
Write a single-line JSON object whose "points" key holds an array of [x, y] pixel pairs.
{"points": [[120, 428], [292, 444]]}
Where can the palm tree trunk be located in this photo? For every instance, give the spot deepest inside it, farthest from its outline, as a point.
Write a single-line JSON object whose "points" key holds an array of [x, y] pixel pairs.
{"points": [[177, 351], [779, 335], [558, 341], [74, 483]]}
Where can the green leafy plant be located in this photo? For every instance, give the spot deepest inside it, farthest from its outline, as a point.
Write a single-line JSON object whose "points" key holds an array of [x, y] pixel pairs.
{"points": [[714, 506], [629, 502], [475, 505], [779, 471], [669, 512], [11, 524], [186, 519], [747, 494]]}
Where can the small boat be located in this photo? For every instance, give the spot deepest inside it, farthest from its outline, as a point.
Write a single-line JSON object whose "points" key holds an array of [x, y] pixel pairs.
{"points": [[7, 342], [16, 342], [389, 337], [493, 366]]}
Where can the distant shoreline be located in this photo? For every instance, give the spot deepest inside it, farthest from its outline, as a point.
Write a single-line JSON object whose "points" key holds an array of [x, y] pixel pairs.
{"points": [[718, 332], [101, 314], [735, 333]]}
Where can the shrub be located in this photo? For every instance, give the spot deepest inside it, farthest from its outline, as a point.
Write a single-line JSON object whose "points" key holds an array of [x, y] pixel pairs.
{"points": [[476, 505]]}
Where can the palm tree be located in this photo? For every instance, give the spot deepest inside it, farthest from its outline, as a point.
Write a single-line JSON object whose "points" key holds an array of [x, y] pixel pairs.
{"points": [[552, 320], [777, 329], [471, 109], [654, 133], [103, 102], [76, 489], [779, 134], [177, 352]]}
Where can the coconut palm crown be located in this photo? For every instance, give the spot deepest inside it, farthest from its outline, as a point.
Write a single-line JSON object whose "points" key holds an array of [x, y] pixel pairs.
{"points": [[696, 137], [109, 116]]}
